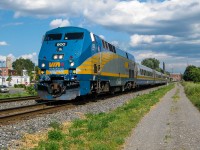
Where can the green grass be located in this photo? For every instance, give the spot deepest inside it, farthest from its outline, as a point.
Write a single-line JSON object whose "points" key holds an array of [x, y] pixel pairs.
{"points": [[8, 95], [192, 91], [105, 131]]}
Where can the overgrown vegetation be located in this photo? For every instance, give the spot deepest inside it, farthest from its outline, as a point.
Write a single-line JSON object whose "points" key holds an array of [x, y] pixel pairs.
{"points": [[104, 131], [29, 91], [8, 95], [192, 91]]}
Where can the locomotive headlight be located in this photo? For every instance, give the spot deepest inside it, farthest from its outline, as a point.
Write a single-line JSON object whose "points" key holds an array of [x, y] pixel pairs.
{"points": [[60, 56], [43, 65], [55, 57], [60, 49], [71, 64]]}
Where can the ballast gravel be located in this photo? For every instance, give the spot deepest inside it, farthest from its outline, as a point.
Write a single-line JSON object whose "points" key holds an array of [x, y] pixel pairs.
{"points": [[16, 104], [10, 133]]}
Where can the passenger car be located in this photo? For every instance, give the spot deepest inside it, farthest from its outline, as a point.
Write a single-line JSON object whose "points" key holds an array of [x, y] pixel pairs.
{"points": [[4, 89]]}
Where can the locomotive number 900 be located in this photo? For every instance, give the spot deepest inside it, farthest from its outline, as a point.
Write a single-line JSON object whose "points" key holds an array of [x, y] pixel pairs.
{"points": [[61, 44]]}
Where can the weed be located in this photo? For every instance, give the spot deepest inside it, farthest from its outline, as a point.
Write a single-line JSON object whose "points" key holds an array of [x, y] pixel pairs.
{"points": [[75, 133], [78, 123], [52, 146], [98, 146], [56, 135], [167, 138]]}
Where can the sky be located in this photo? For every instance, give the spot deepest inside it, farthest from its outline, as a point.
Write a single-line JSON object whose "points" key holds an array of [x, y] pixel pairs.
{"points": [[168, 30]]}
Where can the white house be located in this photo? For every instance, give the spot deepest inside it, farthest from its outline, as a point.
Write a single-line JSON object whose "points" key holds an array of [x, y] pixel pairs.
{"points": [[15, 80]]}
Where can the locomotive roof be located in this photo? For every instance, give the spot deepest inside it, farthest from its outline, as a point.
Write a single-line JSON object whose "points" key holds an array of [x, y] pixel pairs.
{"points": [[69, 27], [72, 28]]}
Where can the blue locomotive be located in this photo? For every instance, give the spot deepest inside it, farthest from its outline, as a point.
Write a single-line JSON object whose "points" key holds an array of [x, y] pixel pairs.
{"points": [[75, 62]]}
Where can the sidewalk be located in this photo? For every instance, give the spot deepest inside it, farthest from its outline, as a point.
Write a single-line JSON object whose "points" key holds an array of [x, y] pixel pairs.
{"points": [[173, 124]]}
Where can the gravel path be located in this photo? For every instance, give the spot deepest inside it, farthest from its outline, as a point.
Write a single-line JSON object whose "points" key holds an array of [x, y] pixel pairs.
{"points": [[16, 131], [173, 124]]}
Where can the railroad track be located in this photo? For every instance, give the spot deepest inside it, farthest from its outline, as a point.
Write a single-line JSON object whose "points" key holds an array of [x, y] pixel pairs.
{"points": [[12, 115], [18, 99]]}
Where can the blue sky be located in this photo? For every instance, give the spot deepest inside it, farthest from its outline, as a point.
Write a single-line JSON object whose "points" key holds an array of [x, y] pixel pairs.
{"points": [[166, 30]]}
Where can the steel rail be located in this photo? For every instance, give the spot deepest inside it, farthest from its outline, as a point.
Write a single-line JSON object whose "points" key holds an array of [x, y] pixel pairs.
{"points": [[17, 99], [21, 108], [41, 109]]}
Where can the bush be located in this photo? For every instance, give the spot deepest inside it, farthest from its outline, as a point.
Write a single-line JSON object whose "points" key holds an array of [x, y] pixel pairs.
{"points": [[20, 86], [31, 90], [192, 73]]}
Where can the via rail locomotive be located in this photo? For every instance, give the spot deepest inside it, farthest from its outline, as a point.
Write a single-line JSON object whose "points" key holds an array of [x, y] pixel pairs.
{"points": [[75, 62]]}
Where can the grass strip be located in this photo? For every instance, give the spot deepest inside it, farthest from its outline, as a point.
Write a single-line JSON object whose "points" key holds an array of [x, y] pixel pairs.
{"points": [[103, 131], [192, 91], [19, 94]]}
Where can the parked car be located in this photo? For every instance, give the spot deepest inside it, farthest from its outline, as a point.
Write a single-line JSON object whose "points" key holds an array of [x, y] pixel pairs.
{"points": [[4, 89]]}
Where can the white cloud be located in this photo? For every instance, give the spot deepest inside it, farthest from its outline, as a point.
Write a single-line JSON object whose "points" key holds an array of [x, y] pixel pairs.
{"points": [[3, 43], [140, 55], [136, 39], [33, 57], [175, 63], [132, 16], [141, 39], [102, 36], [59, 23], [29, 56], [2, 58], [115, 43]]}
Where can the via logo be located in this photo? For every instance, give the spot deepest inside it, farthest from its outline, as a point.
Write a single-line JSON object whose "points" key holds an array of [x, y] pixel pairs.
{"points": [[54, 64]]}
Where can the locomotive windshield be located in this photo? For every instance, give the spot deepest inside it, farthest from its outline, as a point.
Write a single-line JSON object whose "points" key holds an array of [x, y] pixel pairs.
{"points": [[74, 36], [51, 37]]}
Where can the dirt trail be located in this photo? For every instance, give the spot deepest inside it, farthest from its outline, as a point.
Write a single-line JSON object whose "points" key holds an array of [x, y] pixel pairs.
{"points": [[173, 124]]}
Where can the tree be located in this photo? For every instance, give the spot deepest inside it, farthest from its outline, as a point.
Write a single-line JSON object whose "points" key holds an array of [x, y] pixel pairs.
{"points": [[34, 76], [151, 63], [192, 73], [9, 79], [23, 64]]}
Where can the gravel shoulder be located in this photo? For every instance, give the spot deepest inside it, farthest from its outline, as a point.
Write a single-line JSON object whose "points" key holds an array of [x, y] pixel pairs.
{"points": [[174, 123]]}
